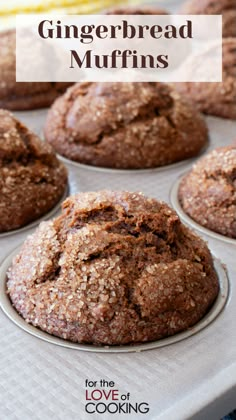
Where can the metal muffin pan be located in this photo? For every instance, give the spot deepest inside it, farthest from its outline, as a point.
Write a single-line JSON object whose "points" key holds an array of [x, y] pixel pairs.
{"points": [[174, 200], [193, 378], [36, 222], [214, 311]]}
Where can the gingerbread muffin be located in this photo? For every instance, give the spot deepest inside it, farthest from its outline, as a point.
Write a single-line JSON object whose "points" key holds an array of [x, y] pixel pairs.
{"points": [[226, 8], [32, 180], [216, 98], [21, 95], [114, 268], [125, 125], [208, 193]]}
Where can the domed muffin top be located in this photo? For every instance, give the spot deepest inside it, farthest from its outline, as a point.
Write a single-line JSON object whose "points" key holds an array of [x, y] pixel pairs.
{"points": [[17, 143], [208, 192], [115, 267], [95, 109], [125, 125], [32, 180], [220, 162]]}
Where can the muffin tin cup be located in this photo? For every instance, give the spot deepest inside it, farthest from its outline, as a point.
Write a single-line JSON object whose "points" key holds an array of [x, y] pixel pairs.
{"points": [[211, 315], [36, 222], [188, 220]]}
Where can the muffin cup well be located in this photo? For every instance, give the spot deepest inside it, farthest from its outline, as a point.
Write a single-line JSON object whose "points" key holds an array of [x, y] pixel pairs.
{"points": [[211, 315], [36, 222], [174, 200]]}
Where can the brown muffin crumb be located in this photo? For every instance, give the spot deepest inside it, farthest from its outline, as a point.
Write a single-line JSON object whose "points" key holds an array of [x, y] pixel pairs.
{"points": [[208, 193], [21, 95], [32, 180], [125, 125], [114, 268]]}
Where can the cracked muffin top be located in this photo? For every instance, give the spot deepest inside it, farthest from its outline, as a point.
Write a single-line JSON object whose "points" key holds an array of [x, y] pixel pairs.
{"points": [[125, 125], [208, 192], [214, 7], [21, 95], [113, 268], [32, 180]]}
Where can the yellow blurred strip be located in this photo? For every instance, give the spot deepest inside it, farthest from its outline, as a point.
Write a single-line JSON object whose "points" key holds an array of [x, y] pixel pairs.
{"points": [[37, 6], [90, 8], [82, 7], [12, 7]]}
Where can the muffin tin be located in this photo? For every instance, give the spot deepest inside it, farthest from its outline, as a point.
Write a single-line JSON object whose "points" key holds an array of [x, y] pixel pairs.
{"points": [[183, 380], [192, 378]]}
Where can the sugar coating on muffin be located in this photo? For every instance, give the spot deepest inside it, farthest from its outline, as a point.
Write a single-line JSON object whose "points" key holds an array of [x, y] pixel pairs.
{"points": [[32, 180], [226, 8], [125, 125], [208, 193], [22, 95], [114, 268], [215, 98]]}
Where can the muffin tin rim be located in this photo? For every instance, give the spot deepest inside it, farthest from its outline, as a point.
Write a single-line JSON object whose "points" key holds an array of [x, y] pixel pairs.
{"points": [[174, 201], [36, 222], [208, 318]]}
